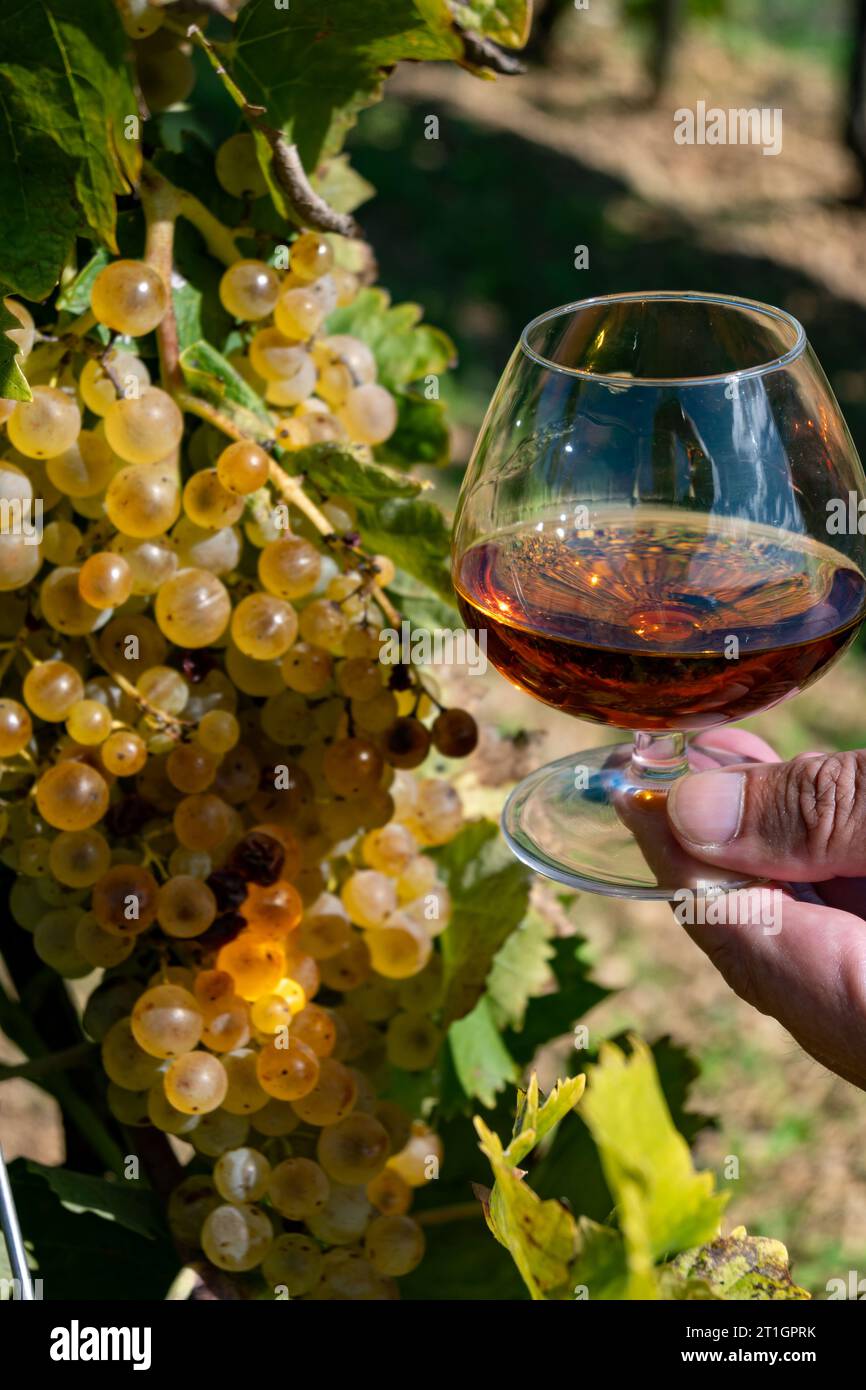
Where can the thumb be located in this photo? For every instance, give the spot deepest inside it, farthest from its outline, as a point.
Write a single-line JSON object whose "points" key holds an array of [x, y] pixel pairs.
{"points": [[803, 821]]}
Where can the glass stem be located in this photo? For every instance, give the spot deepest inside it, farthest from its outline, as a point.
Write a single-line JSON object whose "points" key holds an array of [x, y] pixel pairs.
{"points": [[659, 757]]}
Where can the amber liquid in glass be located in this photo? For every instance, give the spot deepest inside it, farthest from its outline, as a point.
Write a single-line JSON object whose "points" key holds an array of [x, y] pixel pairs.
{"points": [[660, 619]]}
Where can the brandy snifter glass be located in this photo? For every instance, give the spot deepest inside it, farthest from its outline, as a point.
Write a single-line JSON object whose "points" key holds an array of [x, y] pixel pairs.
{"points": [[658, 531]]}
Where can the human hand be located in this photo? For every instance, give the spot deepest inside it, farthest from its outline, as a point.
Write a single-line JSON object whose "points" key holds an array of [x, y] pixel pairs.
{"points": [[803, 821]]}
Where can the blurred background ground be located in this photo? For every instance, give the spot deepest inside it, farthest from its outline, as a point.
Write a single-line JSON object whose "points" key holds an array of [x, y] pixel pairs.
{"points": [[480, 226]]}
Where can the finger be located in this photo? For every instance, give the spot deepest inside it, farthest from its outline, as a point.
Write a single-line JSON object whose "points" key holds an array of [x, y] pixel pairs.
{"points": [[807, 969], [739, 744], [803, 820]]}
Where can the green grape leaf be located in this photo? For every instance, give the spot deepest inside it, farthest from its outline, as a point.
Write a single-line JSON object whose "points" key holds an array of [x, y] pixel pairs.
{"points": [[462, 1263], [489, 896], [521, 969], [318, 63], [75, 296], [600, 1269], [548, 1016], [481, 1060], [65, 99], [405, 349], [135, 1208], [81, 1254], [13, 383], [341, 186], [342, 470], [421, 436], [736, 1267], [423, 610], [678, 1071], [506, 22], [415, 535], [208, 374], [663, 1205], [195, 291], [541, 1236]]}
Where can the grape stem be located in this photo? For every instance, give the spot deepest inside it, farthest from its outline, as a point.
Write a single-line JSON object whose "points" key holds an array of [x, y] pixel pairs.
{"points": [[159, 716], [439, 1216], [221, 241], [12, 651], [161, 209], [292, 491], [306, 207]]}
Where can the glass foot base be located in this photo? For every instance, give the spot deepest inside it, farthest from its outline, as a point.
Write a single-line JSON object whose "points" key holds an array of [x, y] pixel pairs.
{"points": [[590, 821]]}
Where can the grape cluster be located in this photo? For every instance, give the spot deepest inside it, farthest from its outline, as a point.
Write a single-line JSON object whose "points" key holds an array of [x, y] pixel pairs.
{"points": [[207, 775]]}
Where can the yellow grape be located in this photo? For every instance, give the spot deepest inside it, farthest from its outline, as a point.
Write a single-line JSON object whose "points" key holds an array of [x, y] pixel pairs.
{"points": [[208, 504], [123, 900], [369, 414], [310, 256], [145, 428], [243, 467], [51, 688], [185, 907], [256, 966], [298, 314], [165, 1116], [46, 425], [242, 1175], [298, 1187], [353, 1150], [394, 1244], [83, 469], [237, 167], [399, 948], [218, 731], [245, 1095], [202, 821], [71, 796], [167, 1021], [96, 386], [196, 1083], [105, 580], [293, 1263], [124, 753], [125, 1063], [193, 608], [236, 1238], [16, 727], [89, 722], [143, 500], [129, 297], [288, 1072], [63, 608], [264, 626], [273, 356], [249, 290]]}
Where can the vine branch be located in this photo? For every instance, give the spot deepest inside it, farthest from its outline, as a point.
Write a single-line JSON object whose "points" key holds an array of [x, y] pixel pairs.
{"points": [[37, 1067], [310, 209]]}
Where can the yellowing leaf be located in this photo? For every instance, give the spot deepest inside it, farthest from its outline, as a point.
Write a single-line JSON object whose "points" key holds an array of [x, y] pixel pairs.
{"points": [[740, 1267], [541, 1236], [663, 1205], [505, 21], [535, 1121]]}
